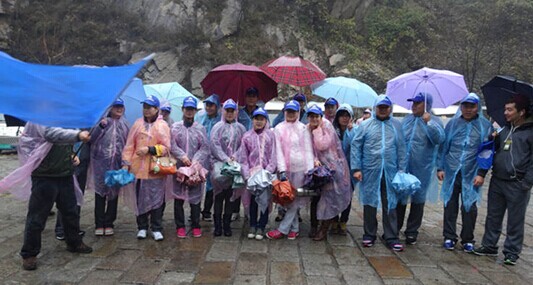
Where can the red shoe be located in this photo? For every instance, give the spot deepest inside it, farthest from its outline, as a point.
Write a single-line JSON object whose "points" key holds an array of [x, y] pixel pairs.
{"points": [[293, 235], [181, 233], [275, 234], [196, 232]]}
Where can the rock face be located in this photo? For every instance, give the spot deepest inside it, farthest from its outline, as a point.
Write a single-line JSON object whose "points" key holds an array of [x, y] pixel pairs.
{"points": [[6, 8], [346, 9]]}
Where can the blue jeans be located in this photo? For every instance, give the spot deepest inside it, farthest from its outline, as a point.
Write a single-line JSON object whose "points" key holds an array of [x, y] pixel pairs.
{"points": [[263, 217]]}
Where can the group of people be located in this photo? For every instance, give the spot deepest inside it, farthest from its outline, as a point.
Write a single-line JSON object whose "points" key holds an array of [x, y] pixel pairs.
{"points": [[367, 153]]}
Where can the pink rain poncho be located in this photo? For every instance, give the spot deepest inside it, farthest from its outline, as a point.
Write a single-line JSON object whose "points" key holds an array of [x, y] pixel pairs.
{"points": [[336, 195], [190, 142], [106, 154], [225, 142], [152, 187]]}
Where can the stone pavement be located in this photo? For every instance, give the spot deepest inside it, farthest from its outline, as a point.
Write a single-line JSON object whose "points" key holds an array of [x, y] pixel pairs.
{"points": [[236, 260]]}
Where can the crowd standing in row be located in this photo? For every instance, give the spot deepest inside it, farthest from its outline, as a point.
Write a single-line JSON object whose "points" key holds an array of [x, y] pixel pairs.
{"points": [[365, 154]]}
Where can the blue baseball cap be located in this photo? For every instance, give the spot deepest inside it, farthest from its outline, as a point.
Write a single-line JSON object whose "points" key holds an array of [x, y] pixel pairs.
{"points": [[213, 99], [118, 102], [166, 108], [421, 97], [315, 110], [383, 100], [471, 98], [151, 100], [292, 105], [190, 102], [331, 101], [230, 104], [299, 97], [252, 91], [260, 112]]}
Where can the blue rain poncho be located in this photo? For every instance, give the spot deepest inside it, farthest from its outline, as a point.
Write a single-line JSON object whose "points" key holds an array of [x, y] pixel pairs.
{"points": [[347, 136], [245, 118], [208, 123], [378, 148], [423, 142], [459, 153]]}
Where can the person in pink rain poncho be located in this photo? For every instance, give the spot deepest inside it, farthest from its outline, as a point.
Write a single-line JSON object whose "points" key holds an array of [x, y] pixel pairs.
{"points": [[258, 153], [149, 136], [107, 142], [226, 138], [189, 145], [336, 195], [295, 158]]}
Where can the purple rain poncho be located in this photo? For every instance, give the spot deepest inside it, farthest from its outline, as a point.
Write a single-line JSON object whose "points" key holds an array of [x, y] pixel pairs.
{"points": [[190, 142], [225, 142], [107, 144], [257, 151], [336, 195]]}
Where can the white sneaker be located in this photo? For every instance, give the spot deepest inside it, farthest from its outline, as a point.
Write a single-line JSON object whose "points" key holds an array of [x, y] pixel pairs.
{"points": [[157, 236], [252, 232], [141, 234]]}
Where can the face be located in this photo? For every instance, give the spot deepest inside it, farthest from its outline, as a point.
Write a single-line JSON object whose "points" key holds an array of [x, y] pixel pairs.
{"points": [[117, 111], [344, 118], [230, 115], [511, 113], [210, 109], [314, 120], [383, 111], [188, 113], [330, 110], [366, 116], [165, 114], [469, 110], [149, 111], [291, 116], [259, 122], [302, 104], [418, 108], [251, 100]]}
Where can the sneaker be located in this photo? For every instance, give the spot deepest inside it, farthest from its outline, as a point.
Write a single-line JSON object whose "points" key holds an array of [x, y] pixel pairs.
{"points": [[181, 233], [29, 263], [207, 217], [485, 251], [449, 244], [235, 217], [368, 243], [196, 232], [109, 231], [81, 248], [510, 259], [468, 247], [260, 234], [158, 236], [275, 234], [60, 236], [252, 233], [141, 234], [293, 235], [99, 232], [398, 247], [411, 240]]}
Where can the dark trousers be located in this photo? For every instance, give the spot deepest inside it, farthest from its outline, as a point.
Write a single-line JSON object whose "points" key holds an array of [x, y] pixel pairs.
{"points": [[223, 205], [81, 174], [237, 205], [104, 217], [389, 219], [451, 211], [312, 211], [155, 216], [208, 202], [45, 192], [263, 216], [414, 221], [506, 196], [179, 214], [345, 215]]}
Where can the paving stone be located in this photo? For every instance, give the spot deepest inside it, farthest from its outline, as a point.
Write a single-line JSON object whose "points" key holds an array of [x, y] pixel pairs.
{"points": [[9, 265], [323, 280], [283, 272], [389, 267], [432, 276], [102, 277], [283, 250], [252, 263], [223, 251], [412, 256], [144, 271], [319, 264], [120, 260], [401, 282], [308, 245], [249, 245], [185, 261], [250, 280], [74, 271], [486, 263], [196, 244], [172, 278], [504, 278], [104, 247], [214, 273], [348, 255], [464, 272], [359, 275], [339, 240]]}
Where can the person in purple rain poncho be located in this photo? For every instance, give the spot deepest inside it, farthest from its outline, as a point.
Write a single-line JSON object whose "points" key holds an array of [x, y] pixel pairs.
{"points": [[107, 141], [189, 145], [258, 152], [295, 158], [225, 141], [336, 195]]}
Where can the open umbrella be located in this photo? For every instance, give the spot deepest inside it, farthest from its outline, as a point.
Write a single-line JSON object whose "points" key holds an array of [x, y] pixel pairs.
{"points": [[346, 90], [293, 70], [445, 86], [498, 90], [132, 96], [170, 94], [232, 81]]}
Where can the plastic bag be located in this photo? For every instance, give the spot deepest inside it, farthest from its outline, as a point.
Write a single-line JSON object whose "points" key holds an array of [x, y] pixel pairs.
{"points": [[119, 177], [485, 155], [405, 184], [318, 177]]}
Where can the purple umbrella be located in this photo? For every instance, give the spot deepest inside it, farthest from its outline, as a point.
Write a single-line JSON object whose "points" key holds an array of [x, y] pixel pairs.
{"points": [[446, 87]]}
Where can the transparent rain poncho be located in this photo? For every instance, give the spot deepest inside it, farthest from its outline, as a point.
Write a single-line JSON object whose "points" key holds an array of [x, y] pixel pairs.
{"points": [[336, 195], [106, 154], [459, 153], [378, 148], [190, 142], [347, 136]]}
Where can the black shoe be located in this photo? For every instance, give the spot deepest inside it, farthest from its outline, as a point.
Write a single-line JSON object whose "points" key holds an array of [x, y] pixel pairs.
{"points": [[29, 263], [227, 232], [510, 259], [217, 232], [60, 236], [81, 248], [410, 240], [485, 251], [207, 217]]}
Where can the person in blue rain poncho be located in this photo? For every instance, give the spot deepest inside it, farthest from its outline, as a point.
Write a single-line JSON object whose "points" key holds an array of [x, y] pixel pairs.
{"points": [[208, 118], [423, 132], [377, 154], [458, 170]]}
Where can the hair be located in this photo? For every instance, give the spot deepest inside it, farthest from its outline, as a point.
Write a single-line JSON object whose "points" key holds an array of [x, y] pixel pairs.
{"points": [[522, 103]]}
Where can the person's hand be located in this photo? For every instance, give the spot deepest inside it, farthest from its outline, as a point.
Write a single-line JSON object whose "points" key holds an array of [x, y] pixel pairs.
{"points": [[426, 117], [358, 175], [282, 176], [185, 160], [142, 151], [440, 175], [103, 122], [350, 125], [478, 180], [126, 167], [317, 163], [84, 136], [75, 160]]}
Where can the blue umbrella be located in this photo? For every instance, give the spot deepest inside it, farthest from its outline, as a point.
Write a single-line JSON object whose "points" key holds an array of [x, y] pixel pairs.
{"points": [[132, 96], [170, 94], [346, 90]]}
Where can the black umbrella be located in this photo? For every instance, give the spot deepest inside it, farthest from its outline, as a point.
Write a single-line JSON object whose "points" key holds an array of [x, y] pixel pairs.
{"points": [[498, 91], [14, 121]]}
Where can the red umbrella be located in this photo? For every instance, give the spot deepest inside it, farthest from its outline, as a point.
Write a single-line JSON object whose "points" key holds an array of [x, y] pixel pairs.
{"points": [[293, 70], [232, 81]]}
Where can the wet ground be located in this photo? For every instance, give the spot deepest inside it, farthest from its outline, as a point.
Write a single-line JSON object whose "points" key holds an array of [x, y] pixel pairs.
{"points": [[236, 260]]}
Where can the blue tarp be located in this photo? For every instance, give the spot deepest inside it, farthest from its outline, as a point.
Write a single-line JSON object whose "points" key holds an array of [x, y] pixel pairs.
{"points": [[61, 96]]}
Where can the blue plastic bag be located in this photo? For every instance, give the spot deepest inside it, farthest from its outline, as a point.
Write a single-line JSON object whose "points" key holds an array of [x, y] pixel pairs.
{"points": [[485, 155], [405, 184], [114, 178]]}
